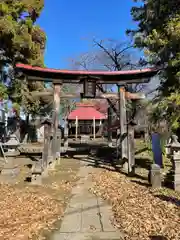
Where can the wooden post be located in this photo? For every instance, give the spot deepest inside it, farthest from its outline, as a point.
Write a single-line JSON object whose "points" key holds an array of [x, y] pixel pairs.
{"points": [[76, 127], [109, 124], [131, 149], [100, 127], [118, 139], [118, 144], [123, 120], [46, 148], [55, 118], [94, 128], [123, 125], [58, 145], [66, 133]]}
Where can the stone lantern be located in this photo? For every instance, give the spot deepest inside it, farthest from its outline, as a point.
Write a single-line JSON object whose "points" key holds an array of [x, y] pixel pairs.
{"points": [[174, 150]]}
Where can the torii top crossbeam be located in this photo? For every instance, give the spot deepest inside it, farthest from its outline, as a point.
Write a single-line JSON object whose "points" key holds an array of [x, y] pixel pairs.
{"points": [[74, 76]]}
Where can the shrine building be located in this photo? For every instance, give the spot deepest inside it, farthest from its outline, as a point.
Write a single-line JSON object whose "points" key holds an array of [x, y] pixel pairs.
{"points": [[86, 120]]}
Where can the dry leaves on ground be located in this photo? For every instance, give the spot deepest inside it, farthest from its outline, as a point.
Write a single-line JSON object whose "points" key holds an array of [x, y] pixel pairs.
{"points": [[25, 213], [137, 211], [64, 185]]}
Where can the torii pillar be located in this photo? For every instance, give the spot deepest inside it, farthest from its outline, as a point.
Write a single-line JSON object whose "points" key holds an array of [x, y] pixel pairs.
{"points": [[123, 124], [109, 125], [127, 158], [56, 142]]}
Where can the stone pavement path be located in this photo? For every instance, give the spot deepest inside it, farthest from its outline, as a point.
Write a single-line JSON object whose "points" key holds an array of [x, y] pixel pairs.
{"points": [[87, 217]]}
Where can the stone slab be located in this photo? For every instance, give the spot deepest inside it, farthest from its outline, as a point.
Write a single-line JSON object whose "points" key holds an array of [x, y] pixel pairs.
{"points": [[10, 171], [72, 222], [89, 236], [106, 216], [90, 215], [87, 217]]}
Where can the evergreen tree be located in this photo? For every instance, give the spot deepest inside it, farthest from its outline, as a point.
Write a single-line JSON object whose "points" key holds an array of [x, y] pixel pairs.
{"points": [[21, 40], [158, 34]]}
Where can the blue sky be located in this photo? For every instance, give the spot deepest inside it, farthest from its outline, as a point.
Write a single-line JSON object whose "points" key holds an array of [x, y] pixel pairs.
{"points": [[71, 25]]}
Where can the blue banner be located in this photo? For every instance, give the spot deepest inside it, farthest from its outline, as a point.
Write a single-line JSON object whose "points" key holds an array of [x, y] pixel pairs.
{"points": [[156, 148]]}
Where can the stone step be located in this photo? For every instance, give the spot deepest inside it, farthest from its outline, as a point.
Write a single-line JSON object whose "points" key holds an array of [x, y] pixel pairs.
{"points": [[11, 171], [89, 236]]}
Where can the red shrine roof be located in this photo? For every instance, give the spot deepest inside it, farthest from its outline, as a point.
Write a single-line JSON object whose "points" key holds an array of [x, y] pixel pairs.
{"points": [[86, 112]]}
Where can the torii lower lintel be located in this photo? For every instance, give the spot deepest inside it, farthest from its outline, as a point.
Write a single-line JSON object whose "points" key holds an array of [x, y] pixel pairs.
{"points": [[110, 95]]}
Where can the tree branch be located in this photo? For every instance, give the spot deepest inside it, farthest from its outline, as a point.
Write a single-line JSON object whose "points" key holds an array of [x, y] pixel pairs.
{"points": [[108, 100]]}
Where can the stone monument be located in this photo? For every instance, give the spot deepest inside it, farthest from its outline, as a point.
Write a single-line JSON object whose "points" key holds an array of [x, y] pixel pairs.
{"points": [[174, 173]]}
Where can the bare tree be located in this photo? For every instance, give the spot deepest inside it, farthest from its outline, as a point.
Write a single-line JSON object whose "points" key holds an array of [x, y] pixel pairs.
{"points": [[111, 55], [67, 105]]}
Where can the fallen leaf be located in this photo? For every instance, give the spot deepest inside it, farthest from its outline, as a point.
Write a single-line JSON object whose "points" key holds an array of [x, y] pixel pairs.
{"points": [[137, 211]]}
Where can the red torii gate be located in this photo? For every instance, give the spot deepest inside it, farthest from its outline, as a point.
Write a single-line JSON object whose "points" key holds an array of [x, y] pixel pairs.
{"points": [[90, 80]]}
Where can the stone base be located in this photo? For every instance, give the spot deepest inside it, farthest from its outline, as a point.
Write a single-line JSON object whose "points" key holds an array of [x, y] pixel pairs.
{"points": [[52, 165], [45, 173], [36, 175], [9, 175], [177, 186], [125, 167], [154, 176], [51, 161], [132, 172], [58, 154], [58, 157], [169, 179], [58, 161], [177, 182], [10, 171], [36, 179]]}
